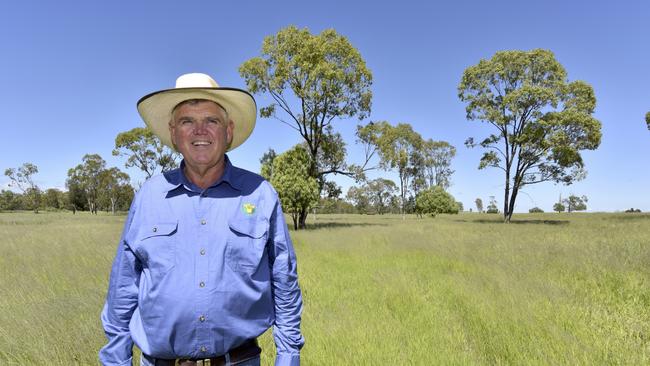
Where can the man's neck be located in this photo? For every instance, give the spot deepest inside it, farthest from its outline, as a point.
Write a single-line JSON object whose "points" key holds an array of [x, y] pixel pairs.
{"points": [[204, 178]]}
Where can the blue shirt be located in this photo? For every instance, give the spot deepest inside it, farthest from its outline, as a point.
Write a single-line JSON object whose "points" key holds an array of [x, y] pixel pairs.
{"points": [[198, 272]]}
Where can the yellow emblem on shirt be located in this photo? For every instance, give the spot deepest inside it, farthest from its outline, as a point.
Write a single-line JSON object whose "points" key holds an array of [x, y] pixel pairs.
{"points": [[248, 208]]}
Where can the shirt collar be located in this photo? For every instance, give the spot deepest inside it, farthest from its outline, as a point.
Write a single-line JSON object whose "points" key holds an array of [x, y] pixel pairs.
{"points": [[177, 178]]}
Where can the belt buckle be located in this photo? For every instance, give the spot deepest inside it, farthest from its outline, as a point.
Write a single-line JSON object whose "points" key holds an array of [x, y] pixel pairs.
{"points": [[203, 362]]}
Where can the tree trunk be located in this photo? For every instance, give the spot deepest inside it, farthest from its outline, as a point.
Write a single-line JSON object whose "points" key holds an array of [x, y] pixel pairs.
{"points": [[302, 222], [506, 199], [294, 217], [401, 189], [113, 200], [511, 204]]}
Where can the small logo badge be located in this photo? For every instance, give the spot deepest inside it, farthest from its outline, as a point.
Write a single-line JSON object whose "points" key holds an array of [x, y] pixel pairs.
{"points": [[248, 208]]}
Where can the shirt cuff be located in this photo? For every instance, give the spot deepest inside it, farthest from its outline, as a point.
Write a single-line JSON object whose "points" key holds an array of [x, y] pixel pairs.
{"points": [[128, 362], [287, 359]]}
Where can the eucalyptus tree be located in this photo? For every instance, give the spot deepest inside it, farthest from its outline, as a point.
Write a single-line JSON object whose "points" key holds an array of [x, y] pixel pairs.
{"points": [[87, 177], [144, 151], [437, 162], [380, 191], [116, 191], [575, 203], [399, 148], [541, 120], [479, 205], [359, 197], [312, 80], [22, 178]]}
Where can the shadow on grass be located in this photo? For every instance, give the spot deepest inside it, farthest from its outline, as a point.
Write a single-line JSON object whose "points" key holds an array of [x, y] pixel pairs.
{"points": [[514, 222], [631, 216], [335, 225]]}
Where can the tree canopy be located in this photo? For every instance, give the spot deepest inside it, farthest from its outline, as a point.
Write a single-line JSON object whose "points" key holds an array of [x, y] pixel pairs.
{"points": [[399, 148], [437, 162], [144, 151], [87, 177], [22, 178], [116, 189], [575, 203], [542, 121], [266, 169], [297, 190], [435, 200], [479, 205]]}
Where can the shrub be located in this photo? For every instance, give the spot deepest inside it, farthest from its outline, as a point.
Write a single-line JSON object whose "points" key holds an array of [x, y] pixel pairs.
{"points": [[435, 201], [632, 210]]}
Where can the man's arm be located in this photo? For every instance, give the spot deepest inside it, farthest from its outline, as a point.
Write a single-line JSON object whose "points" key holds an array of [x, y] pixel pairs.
{"points": [[286, 293], [121, 301]]}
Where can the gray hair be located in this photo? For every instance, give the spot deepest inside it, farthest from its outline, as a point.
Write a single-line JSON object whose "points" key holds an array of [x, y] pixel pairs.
{"points": [[195, 102]]}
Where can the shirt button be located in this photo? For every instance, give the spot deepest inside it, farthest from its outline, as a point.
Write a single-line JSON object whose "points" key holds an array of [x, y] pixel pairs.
{"points": [[155, 229], [202, 251], [202, 284], [202, 318], [203, 349], [203, 222]]}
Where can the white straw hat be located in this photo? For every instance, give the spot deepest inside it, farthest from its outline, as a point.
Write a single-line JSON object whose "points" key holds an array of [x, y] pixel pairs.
{"points": [[156, 108]]}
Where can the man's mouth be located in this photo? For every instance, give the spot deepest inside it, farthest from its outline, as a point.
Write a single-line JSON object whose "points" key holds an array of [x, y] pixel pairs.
{"points": [[201, 143]]}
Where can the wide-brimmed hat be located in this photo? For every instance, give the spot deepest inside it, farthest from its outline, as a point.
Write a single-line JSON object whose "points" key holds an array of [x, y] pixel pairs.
{"points": [[156, 108]]}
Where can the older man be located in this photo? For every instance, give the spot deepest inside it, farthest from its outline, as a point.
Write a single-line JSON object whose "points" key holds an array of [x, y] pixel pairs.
{"points": [[205, 263]]}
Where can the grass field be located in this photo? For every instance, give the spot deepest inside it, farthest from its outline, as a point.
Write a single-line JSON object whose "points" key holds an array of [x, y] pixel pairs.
{"points": [[454, 290]]}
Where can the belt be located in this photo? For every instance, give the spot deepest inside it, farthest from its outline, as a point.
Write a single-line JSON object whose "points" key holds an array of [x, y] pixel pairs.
{"points": [[240, 353]]}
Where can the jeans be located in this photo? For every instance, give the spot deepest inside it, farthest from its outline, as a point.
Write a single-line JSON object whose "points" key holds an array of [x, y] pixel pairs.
{"points": [[255, 361]]}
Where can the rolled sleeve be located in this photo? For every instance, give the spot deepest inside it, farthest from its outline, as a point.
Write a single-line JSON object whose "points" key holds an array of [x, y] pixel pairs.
{"points": [[286, 294], [287, 360], [121, 302]]}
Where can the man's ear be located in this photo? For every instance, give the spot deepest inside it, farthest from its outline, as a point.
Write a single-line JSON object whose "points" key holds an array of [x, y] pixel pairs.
{"points": [[172, 128], [230, 130]]}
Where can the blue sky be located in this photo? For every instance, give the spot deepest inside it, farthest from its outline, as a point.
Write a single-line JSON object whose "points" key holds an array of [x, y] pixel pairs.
{"points": [[72, 71]]}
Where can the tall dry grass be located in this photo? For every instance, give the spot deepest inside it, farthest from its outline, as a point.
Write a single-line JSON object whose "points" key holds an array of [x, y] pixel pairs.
{"points": [[463, 289]]}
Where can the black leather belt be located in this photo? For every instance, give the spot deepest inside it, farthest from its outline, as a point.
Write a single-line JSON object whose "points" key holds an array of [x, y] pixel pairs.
{"points": [[240, 353]]}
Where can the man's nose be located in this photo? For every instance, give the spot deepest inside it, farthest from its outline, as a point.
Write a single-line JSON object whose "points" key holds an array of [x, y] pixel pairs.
{"points": [[200, 128]]}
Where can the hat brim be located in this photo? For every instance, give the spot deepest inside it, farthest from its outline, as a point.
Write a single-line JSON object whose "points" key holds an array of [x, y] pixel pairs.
{"points": [[156, 108]]}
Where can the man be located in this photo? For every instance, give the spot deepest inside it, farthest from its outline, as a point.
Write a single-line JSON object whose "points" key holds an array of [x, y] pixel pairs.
{"points": [[205, 263]]}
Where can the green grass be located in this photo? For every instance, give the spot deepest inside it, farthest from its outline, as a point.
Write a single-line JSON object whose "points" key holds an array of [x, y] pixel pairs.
{"points": [[463, 289]]}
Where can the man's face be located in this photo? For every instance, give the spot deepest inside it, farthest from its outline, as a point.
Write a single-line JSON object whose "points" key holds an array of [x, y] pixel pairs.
{"points": [[201, 132]]}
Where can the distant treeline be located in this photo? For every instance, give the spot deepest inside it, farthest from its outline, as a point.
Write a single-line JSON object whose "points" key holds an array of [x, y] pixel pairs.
{"points": [[55, 200]]}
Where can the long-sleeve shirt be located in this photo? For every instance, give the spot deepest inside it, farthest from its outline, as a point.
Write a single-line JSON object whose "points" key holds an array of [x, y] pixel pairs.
{"points": [[200, 271]]}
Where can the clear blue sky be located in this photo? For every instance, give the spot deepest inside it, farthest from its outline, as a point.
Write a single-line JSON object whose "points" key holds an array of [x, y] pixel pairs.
{"points": [[72, 71]]}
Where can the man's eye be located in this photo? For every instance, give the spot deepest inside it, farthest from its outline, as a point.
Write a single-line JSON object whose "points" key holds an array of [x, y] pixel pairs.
{"points": [[214, 121], [186, 122]]}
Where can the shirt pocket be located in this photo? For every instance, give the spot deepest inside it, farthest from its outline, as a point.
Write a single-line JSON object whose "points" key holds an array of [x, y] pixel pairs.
{"points": [[156, 243], [246, 244]]}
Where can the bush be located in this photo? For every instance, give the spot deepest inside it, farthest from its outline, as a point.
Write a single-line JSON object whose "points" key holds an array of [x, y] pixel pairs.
{"points": [[435, 201], [536, 210], [632, 210]]}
